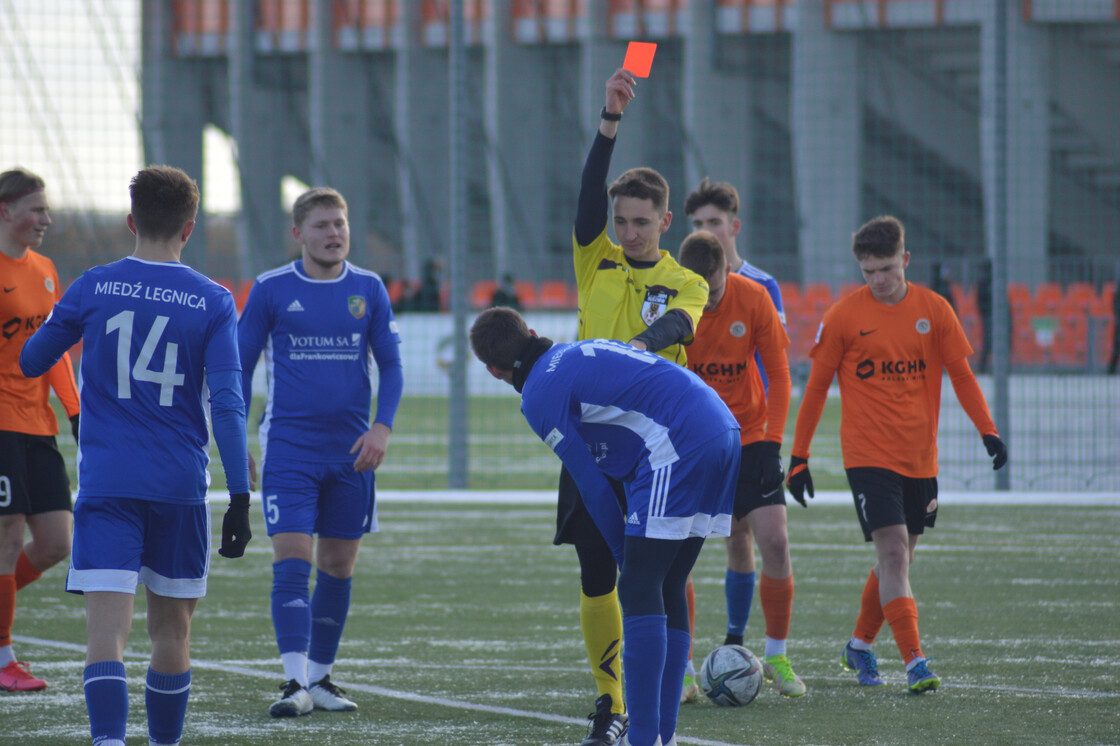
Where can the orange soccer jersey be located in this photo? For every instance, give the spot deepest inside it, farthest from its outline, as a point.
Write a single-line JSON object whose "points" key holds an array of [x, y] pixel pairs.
{"points": [[723, 355], [888, 361], [29, 289]]}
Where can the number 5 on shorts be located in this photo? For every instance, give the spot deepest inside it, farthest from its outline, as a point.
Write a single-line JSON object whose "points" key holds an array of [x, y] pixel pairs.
{"points": [[271, 509]]}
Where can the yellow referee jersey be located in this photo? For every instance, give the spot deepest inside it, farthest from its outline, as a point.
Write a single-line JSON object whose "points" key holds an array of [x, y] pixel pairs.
{"points": [[618, 300]]}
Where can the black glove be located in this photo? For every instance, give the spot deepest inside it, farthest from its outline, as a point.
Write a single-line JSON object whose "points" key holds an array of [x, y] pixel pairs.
{"points": [[74, 426], [772, 474], [996, 449], [800, 480], [235, 526]]}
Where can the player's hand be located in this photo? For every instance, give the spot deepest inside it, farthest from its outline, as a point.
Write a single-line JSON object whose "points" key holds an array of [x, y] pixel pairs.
{"points": [[235, 526], [800, 480], [772, 473], [996, 449], [252, 473], [371, 447], [74, 426], [620, 90]]}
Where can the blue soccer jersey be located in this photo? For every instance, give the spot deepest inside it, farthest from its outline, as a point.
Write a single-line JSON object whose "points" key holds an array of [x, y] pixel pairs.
{"points": [[603, 406], [317, 337], [152, 332]]}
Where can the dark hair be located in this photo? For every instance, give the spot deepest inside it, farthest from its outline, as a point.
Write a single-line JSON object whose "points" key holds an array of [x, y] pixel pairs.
{"points": [[702, 253], [880, 237], [317, 197], [642, 183], [18, 183], [719, 194], [498, 336], [164, 199]]}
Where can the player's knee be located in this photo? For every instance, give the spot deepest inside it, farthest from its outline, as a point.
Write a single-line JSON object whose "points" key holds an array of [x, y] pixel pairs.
{"points": [[53, 553], [638, 595]]}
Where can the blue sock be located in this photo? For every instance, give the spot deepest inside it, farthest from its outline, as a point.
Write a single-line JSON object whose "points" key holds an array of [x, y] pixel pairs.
{"points": [[329, 605], [291, 607], [166, 699], [106, 700], [643, 661], [677, 643], [738, 587]]}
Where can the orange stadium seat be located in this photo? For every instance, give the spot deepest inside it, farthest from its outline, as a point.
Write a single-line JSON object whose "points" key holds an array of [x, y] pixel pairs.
{"points": [[1048, 295], [555, 294], [483, 293], [791, 295], [527, 293]]}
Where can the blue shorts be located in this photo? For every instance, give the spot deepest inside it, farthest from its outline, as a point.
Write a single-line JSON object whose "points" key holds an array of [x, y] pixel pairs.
{"points": [[692, 497], [120, 542], [330, 500]]}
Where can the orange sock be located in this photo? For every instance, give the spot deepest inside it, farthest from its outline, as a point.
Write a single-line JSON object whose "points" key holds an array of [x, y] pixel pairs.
{"points": [[25, 571], [870, 619], [902, 615], [7, 608], [690, 596], [776, 596]]}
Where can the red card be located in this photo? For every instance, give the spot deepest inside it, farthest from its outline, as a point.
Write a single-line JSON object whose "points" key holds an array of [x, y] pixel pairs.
{"points": [[639, 58]]}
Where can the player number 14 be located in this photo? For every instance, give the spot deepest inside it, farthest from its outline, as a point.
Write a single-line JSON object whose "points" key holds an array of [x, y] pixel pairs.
{"points": [[167, 378]]}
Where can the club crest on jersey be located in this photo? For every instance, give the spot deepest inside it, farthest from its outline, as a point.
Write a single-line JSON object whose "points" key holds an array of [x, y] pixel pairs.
{"points": [[922, 326], [655, 305], [738, 329], [357, 306], [49, 282]]}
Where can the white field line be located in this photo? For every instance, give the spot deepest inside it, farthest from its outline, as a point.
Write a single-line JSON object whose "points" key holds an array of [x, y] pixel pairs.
{"points": [[247, 668], [370, 689]]}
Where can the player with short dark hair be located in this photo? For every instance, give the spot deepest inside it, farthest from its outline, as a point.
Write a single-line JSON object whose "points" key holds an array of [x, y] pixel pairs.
{"points": [[739, 325], [34, 485], [713, 206], [635, 292], [321, 322], [608, 410], [887, 344], [156, 335]]}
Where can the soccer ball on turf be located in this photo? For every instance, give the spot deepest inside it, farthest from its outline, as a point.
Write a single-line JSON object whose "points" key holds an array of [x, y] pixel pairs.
{"points": [[731, 676]]}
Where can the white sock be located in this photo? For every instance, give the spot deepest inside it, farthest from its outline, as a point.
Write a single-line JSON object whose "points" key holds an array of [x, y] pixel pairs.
{"points": [[316, 671], [690, 669], [295, 667], [859, 644], [775, 647], [7, 655]]}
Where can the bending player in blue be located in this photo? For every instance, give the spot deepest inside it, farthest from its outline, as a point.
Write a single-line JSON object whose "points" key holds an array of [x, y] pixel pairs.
{"points": [[155, 332], [318, 319], [608, 409]]}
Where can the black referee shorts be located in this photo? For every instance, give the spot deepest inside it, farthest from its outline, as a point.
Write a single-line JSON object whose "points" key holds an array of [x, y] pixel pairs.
{"points": [[573, 523]]}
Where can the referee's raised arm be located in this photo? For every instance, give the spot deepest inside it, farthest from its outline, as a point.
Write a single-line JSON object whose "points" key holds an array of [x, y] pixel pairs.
{"points": [[591, 210]]}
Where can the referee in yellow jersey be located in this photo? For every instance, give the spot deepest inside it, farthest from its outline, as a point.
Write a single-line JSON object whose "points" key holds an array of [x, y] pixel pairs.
{"points": [[634, 292]]}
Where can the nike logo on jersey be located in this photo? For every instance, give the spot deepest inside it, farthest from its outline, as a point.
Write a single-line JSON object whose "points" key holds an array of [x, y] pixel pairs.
{"points": [[633, 520], [8, 290], [863, 333], [295, 305]]}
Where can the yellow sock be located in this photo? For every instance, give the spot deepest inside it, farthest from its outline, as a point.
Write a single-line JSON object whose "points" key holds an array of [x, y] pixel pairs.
{"points": [[600, 618]]}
